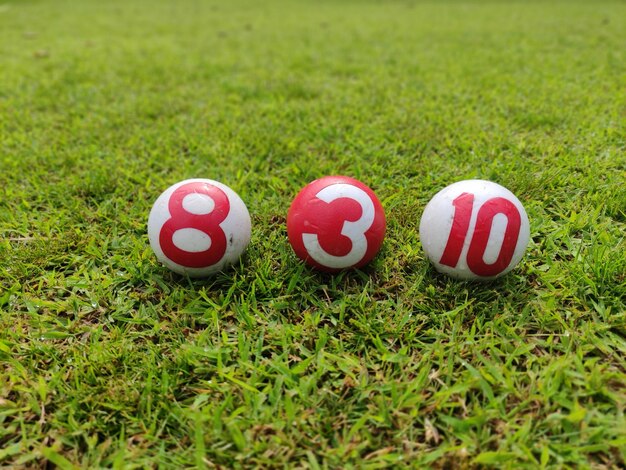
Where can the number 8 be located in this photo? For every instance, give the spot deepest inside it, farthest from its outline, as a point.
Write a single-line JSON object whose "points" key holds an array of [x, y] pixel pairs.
{"points": [[206, 223], [199, 226]]}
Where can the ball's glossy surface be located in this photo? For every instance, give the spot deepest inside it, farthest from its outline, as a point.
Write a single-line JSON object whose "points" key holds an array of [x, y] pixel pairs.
{"points": [[198, 227], [336, 223], [474, 229]]}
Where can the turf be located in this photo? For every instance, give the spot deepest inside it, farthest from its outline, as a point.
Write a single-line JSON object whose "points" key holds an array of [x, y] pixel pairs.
{"points": [[109, 360]]}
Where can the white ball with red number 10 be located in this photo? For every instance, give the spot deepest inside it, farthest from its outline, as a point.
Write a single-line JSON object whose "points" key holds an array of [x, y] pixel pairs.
{"points": [[198, 227], [336, 223], [474, 229]]}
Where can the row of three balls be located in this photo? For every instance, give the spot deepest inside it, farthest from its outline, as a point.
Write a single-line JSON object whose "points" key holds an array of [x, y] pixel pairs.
{"points": [[472, 229]]}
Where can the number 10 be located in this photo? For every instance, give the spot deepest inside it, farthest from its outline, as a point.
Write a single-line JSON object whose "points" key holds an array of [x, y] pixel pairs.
{"points": [[463, 209]]}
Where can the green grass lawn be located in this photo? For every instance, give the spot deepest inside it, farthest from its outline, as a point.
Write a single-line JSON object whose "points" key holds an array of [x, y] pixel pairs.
{"points": [[108, 359]]}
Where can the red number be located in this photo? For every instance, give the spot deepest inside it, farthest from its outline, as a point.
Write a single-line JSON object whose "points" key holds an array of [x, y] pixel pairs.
{"points": [[484, 218], [464, 205], [206, 223]]}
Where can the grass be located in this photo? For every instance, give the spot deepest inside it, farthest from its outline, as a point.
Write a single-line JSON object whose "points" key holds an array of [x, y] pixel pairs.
{"points": [[109, 360]]}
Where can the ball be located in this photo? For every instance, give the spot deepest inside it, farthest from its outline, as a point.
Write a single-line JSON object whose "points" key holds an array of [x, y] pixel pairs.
{"points": [[335, 223], [474, 229], [198, 227]]}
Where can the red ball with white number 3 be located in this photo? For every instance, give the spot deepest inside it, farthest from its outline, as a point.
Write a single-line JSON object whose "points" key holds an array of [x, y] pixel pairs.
{"points": [[474, 229], [198, 227], [336, 223]]}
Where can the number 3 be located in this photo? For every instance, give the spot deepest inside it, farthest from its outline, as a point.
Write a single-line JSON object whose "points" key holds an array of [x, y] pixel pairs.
{"points": [[355, 231]]}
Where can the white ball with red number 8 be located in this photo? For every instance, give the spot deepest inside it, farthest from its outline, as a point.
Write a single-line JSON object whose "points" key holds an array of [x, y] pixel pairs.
{"points": [[198, 227], [474, 229]]}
